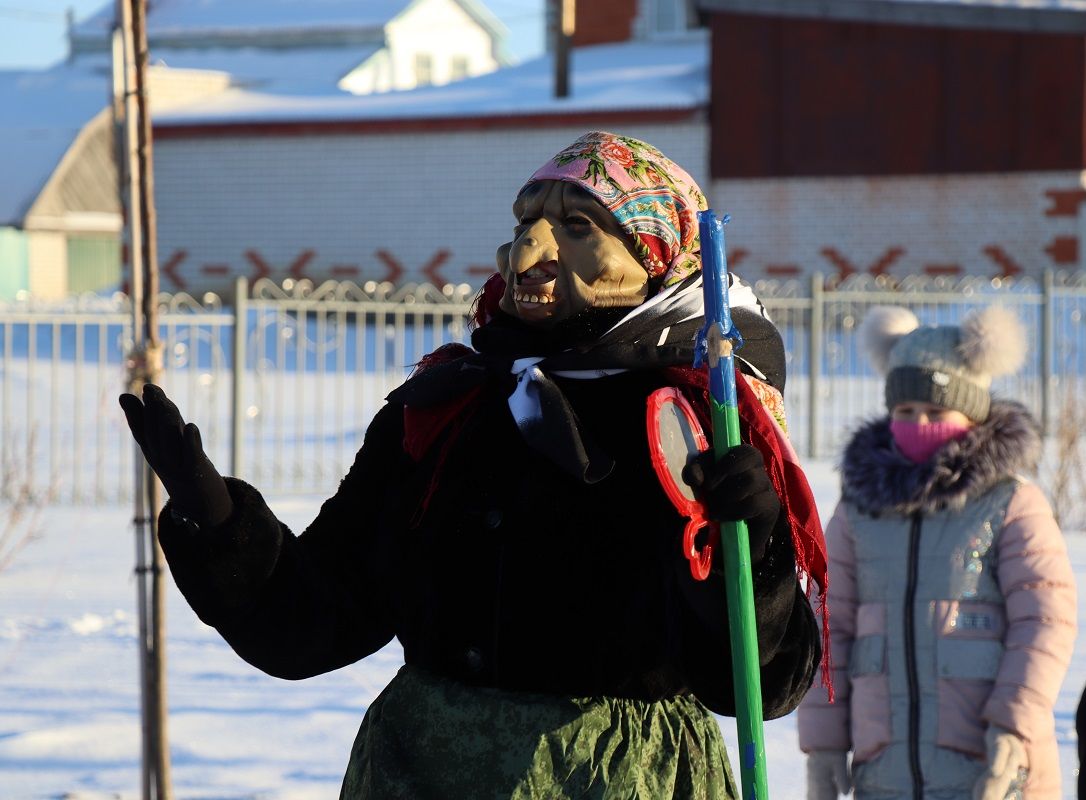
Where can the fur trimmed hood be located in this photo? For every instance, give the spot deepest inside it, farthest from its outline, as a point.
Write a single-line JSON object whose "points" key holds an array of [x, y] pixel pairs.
{"points": [[876, 478]]}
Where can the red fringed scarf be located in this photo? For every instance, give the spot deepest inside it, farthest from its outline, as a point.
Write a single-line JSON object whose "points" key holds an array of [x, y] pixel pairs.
{"points": [[791, 484]]}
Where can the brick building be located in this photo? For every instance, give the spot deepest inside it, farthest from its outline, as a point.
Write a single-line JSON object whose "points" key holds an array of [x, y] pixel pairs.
{"points": [[899, 136], [894, 137]]}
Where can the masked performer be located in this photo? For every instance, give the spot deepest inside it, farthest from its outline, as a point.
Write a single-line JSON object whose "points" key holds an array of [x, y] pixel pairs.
{"points": [[503, 520]]}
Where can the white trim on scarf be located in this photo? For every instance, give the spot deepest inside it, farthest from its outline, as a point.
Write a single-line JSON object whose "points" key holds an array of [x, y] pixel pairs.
{"points": [[685, 297]]}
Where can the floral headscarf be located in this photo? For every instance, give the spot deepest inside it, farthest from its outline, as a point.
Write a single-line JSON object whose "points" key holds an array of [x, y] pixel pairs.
{"points": [[654, 199]]}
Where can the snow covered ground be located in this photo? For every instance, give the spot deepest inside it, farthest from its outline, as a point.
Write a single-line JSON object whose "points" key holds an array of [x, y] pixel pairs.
{"points": [[69, 700]]}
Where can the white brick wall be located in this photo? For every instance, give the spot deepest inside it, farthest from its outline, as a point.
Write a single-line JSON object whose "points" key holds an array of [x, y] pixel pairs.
{"points": [[360, 207], [954, 224], [358, 202]]}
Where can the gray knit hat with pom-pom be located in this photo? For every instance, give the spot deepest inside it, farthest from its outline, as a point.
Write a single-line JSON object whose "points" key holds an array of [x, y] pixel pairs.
{"points": [[948, 365]]}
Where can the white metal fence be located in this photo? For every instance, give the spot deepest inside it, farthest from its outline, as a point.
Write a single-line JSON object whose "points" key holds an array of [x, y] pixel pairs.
{"points": [[316, 363]]}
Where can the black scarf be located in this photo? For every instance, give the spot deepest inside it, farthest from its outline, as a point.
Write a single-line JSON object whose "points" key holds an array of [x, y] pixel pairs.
{"points": [[656, 334]]}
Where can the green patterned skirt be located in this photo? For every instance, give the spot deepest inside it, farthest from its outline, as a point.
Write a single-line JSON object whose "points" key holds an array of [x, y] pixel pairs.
{"points": [[428, 737]]}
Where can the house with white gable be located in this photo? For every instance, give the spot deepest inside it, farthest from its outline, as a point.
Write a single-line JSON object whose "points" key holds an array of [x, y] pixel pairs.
{"points": [[60, 216], [59, 211], [289, 46]]}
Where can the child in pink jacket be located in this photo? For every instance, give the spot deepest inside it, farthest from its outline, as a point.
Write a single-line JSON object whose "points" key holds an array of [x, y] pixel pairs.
{"points": [[952, 601]]}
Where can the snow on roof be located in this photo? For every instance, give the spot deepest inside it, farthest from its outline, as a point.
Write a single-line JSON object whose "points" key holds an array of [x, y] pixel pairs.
{"points": [[44, 112], [655, 74], [296, 70], [1055, 16], [166, 17]]}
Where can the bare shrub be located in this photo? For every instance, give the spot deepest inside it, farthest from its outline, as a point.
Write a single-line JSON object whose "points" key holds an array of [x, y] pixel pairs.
{"points": [[1067, 482], [21, 505]]}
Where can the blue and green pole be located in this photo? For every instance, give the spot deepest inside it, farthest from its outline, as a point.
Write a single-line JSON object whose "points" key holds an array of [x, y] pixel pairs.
{"points": [[715, 344]]}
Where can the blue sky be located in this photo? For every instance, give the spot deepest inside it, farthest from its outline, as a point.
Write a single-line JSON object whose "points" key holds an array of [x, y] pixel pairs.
{"points": [[32, 31]]}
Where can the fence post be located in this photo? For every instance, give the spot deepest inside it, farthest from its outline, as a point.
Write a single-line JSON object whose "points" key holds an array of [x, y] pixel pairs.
{"points": [[1047, 343], [241, 326], [814, 364]]}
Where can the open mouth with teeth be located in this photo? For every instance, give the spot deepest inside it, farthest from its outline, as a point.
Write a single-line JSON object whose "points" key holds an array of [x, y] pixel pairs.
{"points": [[535, 286]]}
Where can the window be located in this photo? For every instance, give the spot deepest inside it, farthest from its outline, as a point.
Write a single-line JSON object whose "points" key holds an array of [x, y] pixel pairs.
{"points": [[663, 16], [458, 68], [94, 264], [666, 15], [423, 69]]}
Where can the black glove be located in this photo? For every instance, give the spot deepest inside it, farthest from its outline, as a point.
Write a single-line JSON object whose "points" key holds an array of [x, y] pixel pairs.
{"points": [[176, 454], [735, 488]]}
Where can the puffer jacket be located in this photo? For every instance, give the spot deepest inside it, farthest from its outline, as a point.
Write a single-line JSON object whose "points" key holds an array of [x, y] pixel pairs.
{"points": [[952, 608]]}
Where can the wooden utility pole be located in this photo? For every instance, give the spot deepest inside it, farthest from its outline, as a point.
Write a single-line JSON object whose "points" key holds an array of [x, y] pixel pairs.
{"points": [[564, 14], [135, 169]]}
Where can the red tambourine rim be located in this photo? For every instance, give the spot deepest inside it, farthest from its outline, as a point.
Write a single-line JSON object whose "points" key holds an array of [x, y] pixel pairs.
{"points": [[657, 400]]}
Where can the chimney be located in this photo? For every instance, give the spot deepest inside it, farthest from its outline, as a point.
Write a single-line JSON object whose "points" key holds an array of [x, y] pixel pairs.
{"points": [[564, 20], [603, 21]]}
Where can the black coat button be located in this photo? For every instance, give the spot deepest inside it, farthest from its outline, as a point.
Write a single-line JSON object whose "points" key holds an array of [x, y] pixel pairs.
{"points": [[492, 518], [473, 658]]}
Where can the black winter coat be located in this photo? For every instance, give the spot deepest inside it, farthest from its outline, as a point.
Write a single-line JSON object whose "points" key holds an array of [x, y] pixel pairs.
{"points": [[515, 576]]}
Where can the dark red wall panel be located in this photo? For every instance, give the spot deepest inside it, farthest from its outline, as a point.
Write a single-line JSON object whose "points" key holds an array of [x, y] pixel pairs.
{"points": [[603, 21], [1051, 94], [745, 106], [813, 97], [836, 117], [979, 100]]}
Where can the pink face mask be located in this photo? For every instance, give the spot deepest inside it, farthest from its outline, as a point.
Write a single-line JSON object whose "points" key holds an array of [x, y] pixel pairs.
{"points": [[920, 441]]}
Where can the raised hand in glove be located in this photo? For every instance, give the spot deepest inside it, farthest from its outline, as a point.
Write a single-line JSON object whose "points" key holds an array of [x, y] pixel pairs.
{"points": [[1006, 756], [828, 774], [735, 488], [176, 454]]}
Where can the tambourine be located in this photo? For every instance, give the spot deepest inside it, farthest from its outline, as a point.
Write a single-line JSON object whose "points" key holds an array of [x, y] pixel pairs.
{"points": [[675, 436]]}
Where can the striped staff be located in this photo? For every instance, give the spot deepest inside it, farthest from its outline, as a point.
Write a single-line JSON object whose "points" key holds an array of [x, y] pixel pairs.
{"points": [[715, 343]]}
